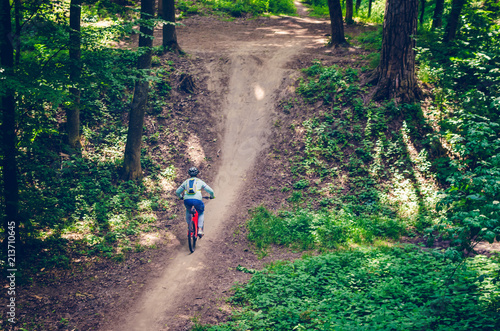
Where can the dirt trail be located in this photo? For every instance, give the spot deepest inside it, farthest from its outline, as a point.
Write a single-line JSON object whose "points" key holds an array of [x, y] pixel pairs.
{"points": [[248, 60]]}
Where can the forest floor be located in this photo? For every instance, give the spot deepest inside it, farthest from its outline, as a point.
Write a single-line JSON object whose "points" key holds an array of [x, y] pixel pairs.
{"points": [[242, 69]]}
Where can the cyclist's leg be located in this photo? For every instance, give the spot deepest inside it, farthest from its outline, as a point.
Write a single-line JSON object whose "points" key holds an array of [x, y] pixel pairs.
{"points": [[188, 203], [200, 208]]}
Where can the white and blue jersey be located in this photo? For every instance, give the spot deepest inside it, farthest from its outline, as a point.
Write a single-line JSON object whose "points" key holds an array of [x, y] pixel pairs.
{"points": [[192, 189]]}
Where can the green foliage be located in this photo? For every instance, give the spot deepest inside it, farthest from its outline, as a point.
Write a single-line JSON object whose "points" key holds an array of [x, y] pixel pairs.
{"points": [[319, 8], [240, 8], [372, 39], [73, 203], [472, 199], [307, 229], [352, 144], [324, 84], [466, 75], [400, 288]]}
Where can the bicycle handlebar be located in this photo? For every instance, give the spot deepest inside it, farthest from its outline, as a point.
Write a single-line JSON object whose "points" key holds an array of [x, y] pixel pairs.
{"points": [[181, 198]]}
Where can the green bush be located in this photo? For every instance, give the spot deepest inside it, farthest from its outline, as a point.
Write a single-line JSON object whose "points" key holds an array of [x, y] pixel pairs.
{"points": [[306, 229], [238, 8], [400, 288]]}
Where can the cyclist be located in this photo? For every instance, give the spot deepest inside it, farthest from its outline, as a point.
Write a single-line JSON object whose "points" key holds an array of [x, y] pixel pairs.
{"points": [[192, 196]]}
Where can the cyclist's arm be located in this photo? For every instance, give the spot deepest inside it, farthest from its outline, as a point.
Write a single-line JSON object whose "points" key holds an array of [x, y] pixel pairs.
{"points": [[180, 190], [209, 190]]}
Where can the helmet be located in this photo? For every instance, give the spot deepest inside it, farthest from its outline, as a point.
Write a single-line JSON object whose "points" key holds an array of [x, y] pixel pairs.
{"points": [[193, 171]]}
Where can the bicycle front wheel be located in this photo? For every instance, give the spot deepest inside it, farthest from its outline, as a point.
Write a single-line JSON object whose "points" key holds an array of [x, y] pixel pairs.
{"points": [[192, 243], [191, 238]]}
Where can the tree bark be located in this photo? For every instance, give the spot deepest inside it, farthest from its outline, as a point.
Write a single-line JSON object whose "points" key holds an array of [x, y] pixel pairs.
{"points": [[453, 19], [132, 159], [75, 54], [370, 7], [17, 19], [8, 131], [169, 33], [337, 25], [437, 19], [358, 4], [349, 12], [422, 11], [396, 71]]}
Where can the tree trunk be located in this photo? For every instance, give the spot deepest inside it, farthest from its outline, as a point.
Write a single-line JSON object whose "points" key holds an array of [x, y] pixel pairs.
{"points": [[437, 19], [169, 34], [73, 112], [349, 12], [370, 7], [358, 4], [17, 19], [396, 71], [8, 133], [132, 159], [337, 24], [422, 11], [452, 26]]}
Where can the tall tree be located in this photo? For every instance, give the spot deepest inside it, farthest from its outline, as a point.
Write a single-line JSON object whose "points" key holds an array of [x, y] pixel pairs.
{"points": [[358, 4], [453, 19], [422, 11], [349, 11], [8, 128], [396, 71], [370, 7], [167, 13], [337, 24], [17, 19], [437, 19], [132, 158], [73, 111]]}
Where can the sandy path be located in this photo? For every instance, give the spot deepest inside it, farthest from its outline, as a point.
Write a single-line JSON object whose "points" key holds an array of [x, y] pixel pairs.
{"points": [[255, 55]]}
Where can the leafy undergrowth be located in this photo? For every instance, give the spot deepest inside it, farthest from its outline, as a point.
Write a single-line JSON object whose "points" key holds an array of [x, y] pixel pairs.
{"points": [[320, 229], [370, 161], [375, 14], [398, 288], [236, 8]]}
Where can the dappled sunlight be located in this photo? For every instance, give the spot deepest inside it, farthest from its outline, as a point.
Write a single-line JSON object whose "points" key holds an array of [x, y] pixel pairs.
{"points": [[199, 266], [259, 92], [414, 190], [149, 239], [194, 150], [403, 196]]}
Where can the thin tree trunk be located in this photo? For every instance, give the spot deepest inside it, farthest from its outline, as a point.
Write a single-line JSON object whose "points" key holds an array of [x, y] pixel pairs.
{"points": [[437, 19], [169, 33], [358, 4], [336, 22], [73, 112], [422, 11], [370, 7], [453, 19], [8, 132], [349, 12], [396, 71], [17, 18], [132, 159]]}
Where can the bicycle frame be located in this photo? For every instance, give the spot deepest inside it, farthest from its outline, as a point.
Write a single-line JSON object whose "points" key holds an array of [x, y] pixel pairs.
{"points": [[194, 221], [193, 230]]}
